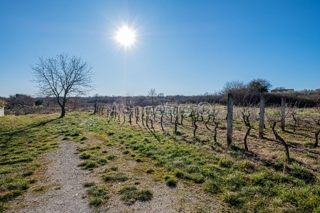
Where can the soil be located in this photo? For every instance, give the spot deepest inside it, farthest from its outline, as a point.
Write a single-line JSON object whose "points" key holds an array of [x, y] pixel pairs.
{"points": [[60, 186]]}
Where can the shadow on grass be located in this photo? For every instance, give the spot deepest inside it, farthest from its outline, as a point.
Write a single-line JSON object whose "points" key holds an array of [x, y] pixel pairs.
{"points": [[299, 170], [23, 130], [297, 133], [153, 132]]}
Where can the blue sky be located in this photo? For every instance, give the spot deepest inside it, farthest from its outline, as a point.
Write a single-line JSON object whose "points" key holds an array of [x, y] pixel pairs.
{"points": [[183, 47]]}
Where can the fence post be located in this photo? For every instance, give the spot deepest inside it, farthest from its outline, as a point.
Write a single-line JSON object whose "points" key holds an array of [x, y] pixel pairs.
{"points": [[261, 124], [283, 113], [229, 119]]}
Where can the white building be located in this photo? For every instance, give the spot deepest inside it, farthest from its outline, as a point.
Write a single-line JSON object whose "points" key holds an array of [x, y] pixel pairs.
{"points": [[1, 111]]}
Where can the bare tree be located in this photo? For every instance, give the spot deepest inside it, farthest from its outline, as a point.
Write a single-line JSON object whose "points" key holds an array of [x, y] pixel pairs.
{"points": [[62, 76], [152, 93], [234, 87]]}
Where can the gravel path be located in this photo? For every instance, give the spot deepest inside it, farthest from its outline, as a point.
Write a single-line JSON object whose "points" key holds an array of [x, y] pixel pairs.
{"points": [[61, 180], [60, 187]]}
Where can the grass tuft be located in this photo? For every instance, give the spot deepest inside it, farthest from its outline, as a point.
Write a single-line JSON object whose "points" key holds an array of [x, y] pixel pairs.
{"points": [[115, 177], [130, 194]]}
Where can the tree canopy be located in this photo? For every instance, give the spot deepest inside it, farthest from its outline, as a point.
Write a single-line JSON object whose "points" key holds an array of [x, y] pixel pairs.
{"points": [[62, 76]]}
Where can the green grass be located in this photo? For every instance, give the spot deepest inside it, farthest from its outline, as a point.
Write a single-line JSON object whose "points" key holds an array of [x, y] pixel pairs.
{"points": [[97, 195], [171, 181], [22, 140], [92, 156], [131, 194], [115, 177], [88, 164], [239, 182]]}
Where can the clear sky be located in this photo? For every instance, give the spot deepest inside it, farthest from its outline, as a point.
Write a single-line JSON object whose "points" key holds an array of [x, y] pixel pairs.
{"points": [[182, 47]]}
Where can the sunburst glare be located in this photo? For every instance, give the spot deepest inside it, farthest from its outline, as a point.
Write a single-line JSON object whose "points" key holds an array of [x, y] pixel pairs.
{"points": [[125, 36]]}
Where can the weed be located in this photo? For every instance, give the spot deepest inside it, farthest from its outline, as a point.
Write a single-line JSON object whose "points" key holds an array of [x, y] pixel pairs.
{"points": [[301, 173], [110, 133], [88, 184], [102, 161], [40, 189], [95, 201], [232, 198], [97, 195], [88, 164], [114, 168], [150, 171], [171, 182], [85, 155], [212, 187], [126, 152], [83, 138], [130, 194], [115, 177], [111, 157]]}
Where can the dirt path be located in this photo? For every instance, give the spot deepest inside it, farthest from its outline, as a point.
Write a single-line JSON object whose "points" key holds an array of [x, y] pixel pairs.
{"points": [[60, 186]]}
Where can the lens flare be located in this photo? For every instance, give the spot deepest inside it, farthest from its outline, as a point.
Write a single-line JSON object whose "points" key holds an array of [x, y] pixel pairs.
{"points": [[125, 36]]}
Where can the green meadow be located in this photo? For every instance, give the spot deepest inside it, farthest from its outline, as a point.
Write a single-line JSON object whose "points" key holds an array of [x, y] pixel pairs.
{"points": [[256, 181]]}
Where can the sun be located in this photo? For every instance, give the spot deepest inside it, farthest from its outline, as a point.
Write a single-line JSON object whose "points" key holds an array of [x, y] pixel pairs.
{"points": [[126, 36]]}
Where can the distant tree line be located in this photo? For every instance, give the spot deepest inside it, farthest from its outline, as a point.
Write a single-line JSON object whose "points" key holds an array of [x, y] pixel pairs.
{"points": [[243, 94]]}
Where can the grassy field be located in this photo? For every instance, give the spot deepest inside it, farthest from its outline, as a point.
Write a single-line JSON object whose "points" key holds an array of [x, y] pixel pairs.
{"points": [[255, 181]]}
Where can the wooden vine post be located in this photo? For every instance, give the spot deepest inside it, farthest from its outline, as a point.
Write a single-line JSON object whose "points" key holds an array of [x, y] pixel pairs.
{"points": [[261, 123], [283, 113], [229, 119]]}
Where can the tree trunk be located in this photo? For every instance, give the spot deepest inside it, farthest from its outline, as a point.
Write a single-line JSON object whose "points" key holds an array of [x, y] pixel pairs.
{"points": [[95, 107], [279, 138], [215, 131], [246, 120], [161, 121], [154, 114], [245, 138], [136, 113], [142, 119], [181, 116], [63, 111], [176, 124], [206, 123], [295, 122], [195, 127]]}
